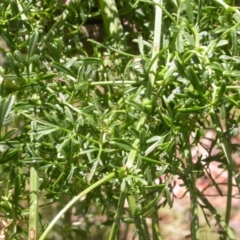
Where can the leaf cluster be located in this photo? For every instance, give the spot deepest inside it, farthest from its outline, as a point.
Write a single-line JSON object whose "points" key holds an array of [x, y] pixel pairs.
{"points": [[80, 110]]}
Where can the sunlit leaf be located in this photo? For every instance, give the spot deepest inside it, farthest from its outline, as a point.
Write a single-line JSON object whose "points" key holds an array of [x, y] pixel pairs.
{"points": [[5, 110], [122, 144], [33, 40]]}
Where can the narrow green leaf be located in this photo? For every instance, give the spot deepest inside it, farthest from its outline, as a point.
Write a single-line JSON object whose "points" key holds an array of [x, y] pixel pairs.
{"points": [[153, 146], [93, 170], [5, 109], [92, 60], [9, 155], [222, 43], [56, 26], [70, 62], [155, 187], [141, 44], [162, 171], [9, 134], [13, 64], [8, 144], [174, 29], [179, 43], [169, 71], [236, 59], [42, 131], [234, 42], [45, 123], [192, 109], [234, 73], [14, 8], [63, 69], [195, 81], [180, 95], [33, 58], [59, 49], [53, 52], [222, 90], [122, 144], [189, 10], [20, 57], [7, 38], [83, 152], [134, 131], [68, 113], [180, 67], [136, 105], [164, 118], [193, 94], [45, 76], [149, 205], [32, 44], [168, 197], [189, 38]]}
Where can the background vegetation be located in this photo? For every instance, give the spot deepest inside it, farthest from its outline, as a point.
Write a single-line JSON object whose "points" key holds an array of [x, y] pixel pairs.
{"points": [[102, 103]]}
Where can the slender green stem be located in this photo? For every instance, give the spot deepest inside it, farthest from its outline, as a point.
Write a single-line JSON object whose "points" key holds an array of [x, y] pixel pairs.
{"points": [[154, 212], [15, 198], [218, 217], [227, 7], [156, 47], [117, 217], [34, 196], [141, 227], [111, 18], [133, 153], [117, 82], [145, 228], [232, 172], [76, 199], [233, 167], [112, 48], [133, 209], [132, 204], [227, 150], [190, 182], [229, 199], [194, 213], [155, 224], [193, 198]]}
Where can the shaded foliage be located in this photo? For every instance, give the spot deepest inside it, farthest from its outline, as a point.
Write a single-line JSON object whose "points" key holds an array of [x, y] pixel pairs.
{"points": [[75, 111]]}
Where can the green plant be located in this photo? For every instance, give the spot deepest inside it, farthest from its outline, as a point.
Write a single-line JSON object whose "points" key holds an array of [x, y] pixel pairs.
{"points": [[95, 124]]}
